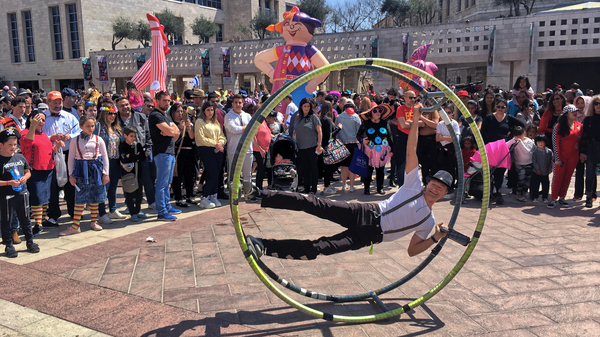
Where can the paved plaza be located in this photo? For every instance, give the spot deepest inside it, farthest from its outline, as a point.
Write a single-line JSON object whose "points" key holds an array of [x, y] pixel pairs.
{"points": [[535, 272]]}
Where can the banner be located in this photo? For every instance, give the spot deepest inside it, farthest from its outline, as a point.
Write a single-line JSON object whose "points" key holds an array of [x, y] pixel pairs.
{"points": [[374, 47], [102, 70], [140, 59], [490, 62], [405, 48], [226, 62], [205, 63], [530, 45], [87, 68]]}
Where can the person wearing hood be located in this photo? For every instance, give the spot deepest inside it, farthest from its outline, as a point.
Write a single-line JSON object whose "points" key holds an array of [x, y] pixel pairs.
{"points": [[589, 149], [582, 103]]}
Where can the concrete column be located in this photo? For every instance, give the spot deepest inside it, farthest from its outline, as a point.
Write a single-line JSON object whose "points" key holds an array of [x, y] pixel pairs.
{"points": [[179, 84]]}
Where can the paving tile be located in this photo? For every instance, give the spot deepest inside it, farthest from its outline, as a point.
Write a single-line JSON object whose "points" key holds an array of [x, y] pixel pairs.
{"points": [[538, 260], [178, 295], [580, 268], [524, 286], [206, 250], [455, 321], [118, 282], [88, 275], [519, 301], [572, 312], [148, 271], [575, 295], [477, 285], [51, 326], [179, 278], [182, 243], [577, 280], [503, 321], [121, 264], [179, 259], [247, 301], [151, 290], [533, 272], [151, 254], [191, 305], [575, 329]]}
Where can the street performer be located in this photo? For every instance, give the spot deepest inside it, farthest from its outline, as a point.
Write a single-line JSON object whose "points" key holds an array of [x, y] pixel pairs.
{"points": [[408, 210]]}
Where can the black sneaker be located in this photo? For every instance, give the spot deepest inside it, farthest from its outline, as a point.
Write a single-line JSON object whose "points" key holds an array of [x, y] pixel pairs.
{"points": [[50, 223], [181, 203], [250, 198], [562, 202], [11, 252], [589, 202], [33, 248], [255, 246], [222, 195], [37, 230], [191, 201], [380, 191]]}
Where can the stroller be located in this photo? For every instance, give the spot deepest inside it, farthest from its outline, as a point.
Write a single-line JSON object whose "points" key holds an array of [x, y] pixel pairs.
{"points": [[282, 159], [498, 156]]}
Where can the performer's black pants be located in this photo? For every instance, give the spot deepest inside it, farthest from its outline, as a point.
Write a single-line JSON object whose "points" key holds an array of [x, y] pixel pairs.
{"points": [[362, 226]]}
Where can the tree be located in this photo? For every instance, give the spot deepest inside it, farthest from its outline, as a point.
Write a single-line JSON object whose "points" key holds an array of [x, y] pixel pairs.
{"points": [[174, 25], [204, 28], [423, 10], [527, 4], [315, 9], [141, 32], [122, 29], [260, 22], [398, 10]]}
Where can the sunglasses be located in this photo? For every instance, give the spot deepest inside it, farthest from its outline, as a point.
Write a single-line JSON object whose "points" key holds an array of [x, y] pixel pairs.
{"points": [[501, 107], [557, 99], [375, 112], [596, 103], [531, 106], [149, 106], [409, 97]]}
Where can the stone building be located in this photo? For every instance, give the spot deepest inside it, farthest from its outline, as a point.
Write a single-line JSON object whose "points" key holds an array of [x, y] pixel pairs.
{"points": [[46, 39]]}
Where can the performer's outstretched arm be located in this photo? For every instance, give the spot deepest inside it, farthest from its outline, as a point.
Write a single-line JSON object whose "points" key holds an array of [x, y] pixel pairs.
{"points": [[413, 136]]}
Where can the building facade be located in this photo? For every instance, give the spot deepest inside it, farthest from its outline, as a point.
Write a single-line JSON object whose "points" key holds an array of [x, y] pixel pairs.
{"points": [[46, 39]]}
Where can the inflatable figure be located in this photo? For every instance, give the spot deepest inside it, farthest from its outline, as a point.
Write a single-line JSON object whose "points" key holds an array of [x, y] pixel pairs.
{"points": [[154, 71], [417, 59], [294, 58]]}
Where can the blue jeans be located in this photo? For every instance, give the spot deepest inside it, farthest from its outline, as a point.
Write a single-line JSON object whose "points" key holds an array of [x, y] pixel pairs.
{"points": [[165, 163], [148, 177], [114, 173]]}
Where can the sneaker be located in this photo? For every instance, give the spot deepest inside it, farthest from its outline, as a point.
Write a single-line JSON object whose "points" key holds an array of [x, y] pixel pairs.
{"points": [[134, 218], [544, 200], [141, 215], [222, 195], [330, 190], [380, 191], [346, 187], [94, 226], [535, 200], [126, 211], [166, 217], [214, 200], [589, 203], [33, 247], [521, 198], [551, 203], [191, 201], [367, 191], [16, 238], [50, 223], [174, 210], [352, 189], [576, 198], [105, 220], [70, 231], [11, 252], [182, 203], [116, 215], [251, 198], [206, 203], [255, 246], [562, 202], [152, 206], [37, 230]]}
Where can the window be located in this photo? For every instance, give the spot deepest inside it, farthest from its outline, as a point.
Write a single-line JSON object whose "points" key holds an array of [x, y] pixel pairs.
{"points": [[563, 42], [563, 22], [28, 28], [586, 20], [459, 5], [541, 34], [56, 33], [466, 4], [220, 33], [573, 42], [210, 3], [540, 43], [575, 21], [584, 31], [584, 41], [542, 23], [550, 43], [14, 30], [288, 7], [448, 8], [441, 6], [552, 22], [73, 31]]}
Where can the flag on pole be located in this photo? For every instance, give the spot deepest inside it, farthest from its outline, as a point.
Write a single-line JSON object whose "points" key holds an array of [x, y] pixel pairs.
{"points": [[195, 81], [530, 45], [490, 62], [405, 48], [226, 62]]}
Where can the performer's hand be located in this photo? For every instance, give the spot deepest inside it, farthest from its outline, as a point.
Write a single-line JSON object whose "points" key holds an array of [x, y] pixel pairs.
{"points": [[72, 180], [438, 232]]}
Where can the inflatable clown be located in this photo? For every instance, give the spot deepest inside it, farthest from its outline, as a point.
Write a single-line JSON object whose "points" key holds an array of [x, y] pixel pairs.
{"points": [[154, 71], [294, 58]]}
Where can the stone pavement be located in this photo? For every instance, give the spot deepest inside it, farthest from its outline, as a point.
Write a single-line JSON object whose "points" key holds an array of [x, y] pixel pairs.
{"points": [[535, 272]]}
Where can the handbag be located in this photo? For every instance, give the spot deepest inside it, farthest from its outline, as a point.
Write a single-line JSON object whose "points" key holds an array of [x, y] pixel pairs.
{"points": [[359, 163], [129, 181], [335, 152]]}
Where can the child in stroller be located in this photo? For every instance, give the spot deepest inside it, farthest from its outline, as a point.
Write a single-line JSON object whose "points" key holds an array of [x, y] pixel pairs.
{"points": [[283, 169]]}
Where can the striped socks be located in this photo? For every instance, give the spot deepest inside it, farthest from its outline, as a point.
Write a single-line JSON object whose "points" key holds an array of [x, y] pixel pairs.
{"points": [[37, 214], [77, 216], [94, 212]]}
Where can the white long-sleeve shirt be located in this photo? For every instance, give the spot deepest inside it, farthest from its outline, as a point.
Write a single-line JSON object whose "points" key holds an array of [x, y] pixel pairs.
{"points": [[233, 128]]}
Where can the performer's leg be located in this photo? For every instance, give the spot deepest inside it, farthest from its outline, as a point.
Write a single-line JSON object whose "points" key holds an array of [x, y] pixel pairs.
{"points": [[341, 212]]}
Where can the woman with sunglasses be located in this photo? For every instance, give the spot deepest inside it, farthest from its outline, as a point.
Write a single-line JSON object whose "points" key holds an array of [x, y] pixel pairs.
{"points": [[112, 135], [589, 149], [567, 135], [556, 104], [495, 127], [527, 114]]}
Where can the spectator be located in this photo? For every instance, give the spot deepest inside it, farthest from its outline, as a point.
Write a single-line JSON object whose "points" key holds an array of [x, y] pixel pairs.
{"points": [[543, 163], [260, 148], [91, 109], [522, 85], [590, 148], [463, 95], [308, 135], [517, 104], [523, 161], [131, 156], [377, 143], [164, 133], [235, 124], [61, 126], [15, 119], [527, 113], [112, 135], [329, 131], [487, 104], [210, 141], [581, 103], [465, 128], [556, 104], [15, 173], [148, 106], [88, 170], [446, 152], [426, 147], [133, 95], [186, 170], [92, 94], [69, 100], [290, 112], [566, 138]]}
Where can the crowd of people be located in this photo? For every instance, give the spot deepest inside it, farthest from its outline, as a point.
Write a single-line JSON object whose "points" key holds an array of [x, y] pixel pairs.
{"points": [[80, 144]]}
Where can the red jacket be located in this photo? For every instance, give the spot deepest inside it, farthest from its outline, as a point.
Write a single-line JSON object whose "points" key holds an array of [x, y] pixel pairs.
{"points": [[567, 147]]}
